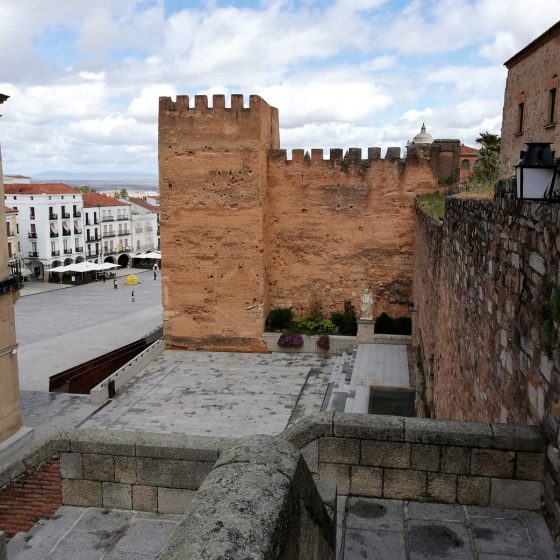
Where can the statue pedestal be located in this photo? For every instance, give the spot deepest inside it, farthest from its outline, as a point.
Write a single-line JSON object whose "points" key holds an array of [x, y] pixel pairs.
{"points": [[366, 331]]}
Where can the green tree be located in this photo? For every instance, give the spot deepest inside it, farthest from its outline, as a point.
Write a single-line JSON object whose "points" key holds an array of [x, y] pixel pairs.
{"points": [[487, 168], [86, 189]]}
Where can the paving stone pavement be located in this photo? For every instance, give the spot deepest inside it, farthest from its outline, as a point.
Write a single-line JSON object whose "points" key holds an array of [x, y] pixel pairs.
{"points": [[58, 329], [219, 393], [381, 365], [76, 533], [374, 529]]}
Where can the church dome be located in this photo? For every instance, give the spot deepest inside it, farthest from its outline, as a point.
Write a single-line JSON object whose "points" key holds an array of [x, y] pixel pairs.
{"points": [[423, 137]]}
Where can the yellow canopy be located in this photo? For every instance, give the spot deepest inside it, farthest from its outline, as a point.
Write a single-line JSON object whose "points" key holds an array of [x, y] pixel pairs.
{"points": [[132, 280]]}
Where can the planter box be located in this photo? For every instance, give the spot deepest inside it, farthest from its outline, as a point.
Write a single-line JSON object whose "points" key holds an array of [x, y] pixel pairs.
{"points": [[337, 342]]}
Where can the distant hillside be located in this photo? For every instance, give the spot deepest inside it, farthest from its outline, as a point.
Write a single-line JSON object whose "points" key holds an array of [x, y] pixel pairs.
{"points": [[101, 181]]}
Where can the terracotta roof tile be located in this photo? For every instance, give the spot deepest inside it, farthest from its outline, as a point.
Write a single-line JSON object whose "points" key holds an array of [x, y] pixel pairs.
{"points": [[92, 200], [468, 150], [39, 188], [9, 210], [143, 204]]}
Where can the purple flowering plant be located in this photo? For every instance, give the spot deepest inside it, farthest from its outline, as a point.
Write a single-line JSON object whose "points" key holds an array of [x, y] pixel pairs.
{"points": [[294, 340]]}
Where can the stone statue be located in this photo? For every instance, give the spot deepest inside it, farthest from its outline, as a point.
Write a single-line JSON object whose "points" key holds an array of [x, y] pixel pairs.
{"points": [[366, 305]]}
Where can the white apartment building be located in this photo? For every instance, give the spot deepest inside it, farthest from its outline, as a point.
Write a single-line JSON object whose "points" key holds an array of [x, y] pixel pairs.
{"points": [[50, 224], [14, 244], [145, 225], [107, 229], [16, 179]]}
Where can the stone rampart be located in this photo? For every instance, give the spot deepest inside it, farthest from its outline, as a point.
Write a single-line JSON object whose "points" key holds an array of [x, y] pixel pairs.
{"points": [[485, 334], [258, 502], [425, 460], [244, 229]]}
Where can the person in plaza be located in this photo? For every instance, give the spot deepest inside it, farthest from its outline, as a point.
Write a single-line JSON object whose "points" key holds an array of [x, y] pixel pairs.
{"points": [[132, 296], [115, 284], [155, 273]]}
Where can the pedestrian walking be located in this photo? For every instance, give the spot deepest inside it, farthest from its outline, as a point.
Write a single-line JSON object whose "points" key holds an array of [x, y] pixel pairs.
{"points": [[155, 274], [132, 296], [115, 284]]}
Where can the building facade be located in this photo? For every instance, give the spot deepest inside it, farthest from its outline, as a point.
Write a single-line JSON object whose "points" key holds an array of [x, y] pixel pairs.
{"points": [[50, 225], [108, 232], [14, 244], [531, 98], [145, 225], [11, 429]]}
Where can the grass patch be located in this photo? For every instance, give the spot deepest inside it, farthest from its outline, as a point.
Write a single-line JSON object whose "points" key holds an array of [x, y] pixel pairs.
{"points": [[433, 203]]}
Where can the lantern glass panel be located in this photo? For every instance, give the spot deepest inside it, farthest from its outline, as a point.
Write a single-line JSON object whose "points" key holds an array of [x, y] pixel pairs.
{"points": [[535, 181]]}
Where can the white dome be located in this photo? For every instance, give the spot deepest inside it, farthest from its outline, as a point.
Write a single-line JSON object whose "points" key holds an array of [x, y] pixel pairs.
{"points": [[423, 137]]}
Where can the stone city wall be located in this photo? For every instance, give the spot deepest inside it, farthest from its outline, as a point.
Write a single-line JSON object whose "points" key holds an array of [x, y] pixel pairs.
{"points": [[258, 502], [244, 229], [484, 278], [426, 460]]}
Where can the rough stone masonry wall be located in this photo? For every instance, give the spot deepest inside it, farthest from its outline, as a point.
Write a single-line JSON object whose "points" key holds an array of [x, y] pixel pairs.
{"points": [[481, 278], [425, 460]]}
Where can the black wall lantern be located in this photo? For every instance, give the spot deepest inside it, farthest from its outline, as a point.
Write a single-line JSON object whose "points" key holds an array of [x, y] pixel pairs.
{"points": [[537, 173]]}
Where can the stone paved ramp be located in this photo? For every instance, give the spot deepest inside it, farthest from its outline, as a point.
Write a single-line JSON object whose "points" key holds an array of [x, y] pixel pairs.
{"points": [[94, 534], [381, 365], [373, 529]]}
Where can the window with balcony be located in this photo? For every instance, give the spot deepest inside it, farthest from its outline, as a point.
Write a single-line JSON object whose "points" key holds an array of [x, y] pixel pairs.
{"points": [[31, 213]]}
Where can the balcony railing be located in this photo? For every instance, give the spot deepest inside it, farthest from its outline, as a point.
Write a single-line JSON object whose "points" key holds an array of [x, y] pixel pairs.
{"points": [[32, 235], [66, 215], [109, 233], [67, 251], [53, 216], [66, 232], [94, 254], [77, 231], [122, 217], [121, 233], [93, 239], [33, 254], [54, 233], [79, 249], [110, 251], [31, 216], [55, 253], [108, 219], [77, 214]]}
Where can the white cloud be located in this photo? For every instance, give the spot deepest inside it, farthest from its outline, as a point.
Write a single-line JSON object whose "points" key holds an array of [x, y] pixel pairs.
{"points": [[85, 76]]}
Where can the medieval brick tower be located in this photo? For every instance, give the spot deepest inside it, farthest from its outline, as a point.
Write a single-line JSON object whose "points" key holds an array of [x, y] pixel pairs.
{"points": [[213, 182]]}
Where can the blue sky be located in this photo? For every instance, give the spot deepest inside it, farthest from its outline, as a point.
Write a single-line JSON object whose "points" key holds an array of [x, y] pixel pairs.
{"points": [[84, 77]]}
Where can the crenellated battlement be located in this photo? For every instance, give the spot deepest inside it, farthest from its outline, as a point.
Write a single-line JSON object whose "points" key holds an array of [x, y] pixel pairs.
{"points": [[184, 103], [337, 156]]}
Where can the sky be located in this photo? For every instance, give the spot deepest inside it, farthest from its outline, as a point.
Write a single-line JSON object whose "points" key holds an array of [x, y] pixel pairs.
{"points": [[85, 77]]}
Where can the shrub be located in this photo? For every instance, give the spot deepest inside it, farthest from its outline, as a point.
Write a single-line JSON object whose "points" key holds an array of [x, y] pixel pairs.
{"points": [[280, 318], [347, 321], [323, 342], [314, 325], [290, 340]]}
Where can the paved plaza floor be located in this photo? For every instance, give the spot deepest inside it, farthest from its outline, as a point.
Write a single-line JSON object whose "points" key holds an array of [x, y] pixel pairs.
{"points": [[373, 529], [76, 533], [219, 393], [381, 365], [367, 529], [60, 327]]}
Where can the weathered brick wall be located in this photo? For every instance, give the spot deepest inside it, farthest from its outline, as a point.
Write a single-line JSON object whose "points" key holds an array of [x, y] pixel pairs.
{"points": [[213, 185], [529, 81], [245, 230], [34, 495], [480, 281], [337, 226]]}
